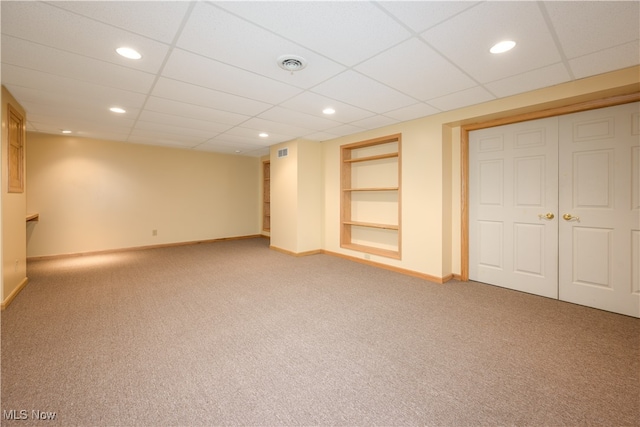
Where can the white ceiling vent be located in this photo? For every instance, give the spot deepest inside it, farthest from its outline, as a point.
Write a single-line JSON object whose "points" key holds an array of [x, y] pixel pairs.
{"points": [[283, 152], [292, 62]]}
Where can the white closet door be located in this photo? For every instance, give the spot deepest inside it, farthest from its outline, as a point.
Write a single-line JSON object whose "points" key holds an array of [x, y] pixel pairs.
{"points": [[600, 190], [513, 185]]}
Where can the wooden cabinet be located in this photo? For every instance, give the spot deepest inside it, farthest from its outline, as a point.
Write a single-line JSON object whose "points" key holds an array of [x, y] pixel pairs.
{"points": [[266, 196], [370, 205]]}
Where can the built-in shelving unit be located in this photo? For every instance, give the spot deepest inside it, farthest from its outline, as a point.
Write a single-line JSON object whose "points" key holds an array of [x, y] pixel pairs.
{"points": [[266, 196], [370, 205]]}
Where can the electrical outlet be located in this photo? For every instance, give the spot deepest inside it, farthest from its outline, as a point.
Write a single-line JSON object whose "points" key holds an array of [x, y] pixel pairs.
{"points": [[154, 232]]}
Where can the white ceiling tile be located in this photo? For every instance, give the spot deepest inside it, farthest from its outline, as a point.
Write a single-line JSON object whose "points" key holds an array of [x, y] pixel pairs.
{"points": [[61, 93], [151, 130], [466, 39], [312, 103], [274, 129], [422, 15], [246, 138], [45, 120], [200, 96], [585, 27], [467, 97], [161, 141], [307, 121], [50, 26], [375, 122], [320, 136], [413, 67], [149, 119], [53, 61], [375, 63], [412, 112], [205, 72], [80, 128], [536, 79], [360, 91], [190, 111], [348, 32], [134, 16], [615, 58], [233, 148], [344, 130], [210, 31]]}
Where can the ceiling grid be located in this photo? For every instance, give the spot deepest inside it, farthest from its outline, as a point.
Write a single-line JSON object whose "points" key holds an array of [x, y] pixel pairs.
{"points": [[209, 77]]}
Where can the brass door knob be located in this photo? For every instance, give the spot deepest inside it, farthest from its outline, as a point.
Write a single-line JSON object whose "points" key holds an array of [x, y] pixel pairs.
{"points": [[569, 217], [547, 216]]}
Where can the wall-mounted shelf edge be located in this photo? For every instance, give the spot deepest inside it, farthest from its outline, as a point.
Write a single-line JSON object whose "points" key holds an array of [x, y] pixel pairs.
{"points": [[372, 189]]}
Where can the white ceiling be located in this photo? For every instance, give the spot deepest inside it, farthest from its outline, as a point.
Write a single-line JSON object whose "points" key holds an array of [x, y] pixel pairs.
{"points": [[208, 79]]}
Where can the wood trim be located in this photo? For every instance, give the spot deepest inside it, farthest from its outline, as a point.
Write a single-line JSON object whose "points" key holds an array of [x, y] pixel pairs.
{"points": [[464, 205], [557, 111], [15, 148], [388, 253], [406, 272], [535, 115], [14, 294], [375, 141], [141, 248], [373, 225], [266, 196], [346, 222], [372, 189], [296, 254], [370, 158]]}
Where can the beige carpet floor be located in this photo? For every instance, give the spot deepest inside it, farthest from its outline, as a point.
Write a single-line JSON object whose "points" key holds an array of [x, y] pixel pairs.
{"points": [[232, 333]]}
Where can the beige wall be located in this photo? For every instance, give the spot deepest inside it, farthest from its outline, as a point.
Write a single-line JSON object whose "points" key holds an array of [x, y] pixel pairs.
{"points": [[296, 197], [14, 266], [431, 208], [310, 190], [95, 195]]}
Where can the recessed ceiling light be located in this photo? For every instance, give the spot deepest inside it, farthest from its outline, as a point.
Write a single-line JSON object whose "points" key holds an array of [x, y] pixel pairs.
{"points": [[117, 110], [263, 135], [128, 52], [329, 111], [65, 131], [238, 151], [503, 46]]}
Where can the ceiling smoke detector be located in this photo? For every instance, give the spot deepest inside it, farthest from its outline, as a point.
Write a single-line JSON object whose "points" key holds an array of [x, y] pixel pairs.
{"points": [[292, 63]]}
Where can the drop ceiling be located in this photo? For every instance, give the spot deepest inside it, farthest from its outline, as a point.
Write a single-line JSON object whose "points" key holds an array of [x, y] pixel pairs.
{"points": [[209, 78]]}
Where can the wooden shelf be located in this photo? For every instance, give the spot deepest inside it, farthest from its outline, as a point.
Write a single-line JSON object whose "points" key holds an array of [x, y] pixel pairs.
{"points": [[266, 196], [372, 189], [372, 225], [33, 217], [361, 173], [370, 158], [372, 250]]}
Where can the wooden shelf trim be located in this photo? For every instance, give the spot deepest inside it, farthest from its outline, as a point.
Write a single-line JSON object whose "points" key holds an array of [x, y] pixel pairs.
{"points": [[372, 225], [369, 158], [33, 217], [372, 189], [388, 253]]}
